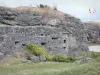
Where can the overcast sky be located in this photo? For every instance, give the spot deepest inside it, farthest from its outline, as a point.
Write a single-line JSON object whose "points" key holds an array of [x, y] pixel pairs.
{"points": [[77, 8]]}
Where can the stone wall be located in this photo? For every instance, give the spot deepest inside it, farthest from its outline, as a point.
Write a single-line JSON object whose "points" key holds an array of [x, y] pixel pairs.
{"points": [[63, 35], [17, 38]]}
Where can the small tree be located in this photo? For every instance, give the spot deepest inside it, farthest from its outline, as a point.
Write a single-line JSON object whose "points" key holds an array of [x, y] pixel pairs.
{"points": [[35, 50], [55, 8], [46, 6], [41, 6]]}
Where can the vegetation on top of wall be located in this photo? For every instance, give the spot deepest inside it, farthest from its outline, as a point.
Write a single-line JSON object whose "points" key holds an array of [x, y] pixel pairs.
{"points": [[46, 6], [43, 6], [55, 7], [43, 10]]}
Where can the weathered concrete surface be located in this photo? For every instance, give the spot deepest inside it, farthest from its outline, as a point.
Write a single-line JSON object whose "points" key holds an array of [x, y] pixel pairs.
{"points": [[62, 35]]}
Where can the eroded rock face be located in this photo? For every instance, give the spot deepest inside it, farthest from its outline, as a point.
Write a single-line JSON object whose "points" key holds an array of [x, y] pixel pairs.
{"points": [[1, 55], [35, 59], [86, 60], [57, 35], [92, 33]]}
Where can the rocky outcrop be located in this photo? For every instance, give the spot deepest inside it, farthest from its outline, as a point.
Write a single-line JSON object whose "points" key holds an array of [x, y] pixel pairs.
{"points": [[86, 60], [60, 34], [38, 59], [92, 33]]}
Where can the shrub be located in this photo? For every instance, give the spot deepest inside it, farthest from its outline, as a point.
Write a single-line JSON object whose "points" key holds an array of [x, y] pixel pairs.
{"points": [[58, 58], [41, 6], [35, 50], [55, 8], [71, 59], [62, 59], [48, 58], [38, 51]]}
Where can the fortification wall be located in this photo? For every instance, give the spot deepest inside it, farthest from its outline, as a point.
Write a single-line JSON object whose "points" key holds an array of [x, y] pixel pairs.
{"points": [[17, 38], [53, 40], [60, 35]]}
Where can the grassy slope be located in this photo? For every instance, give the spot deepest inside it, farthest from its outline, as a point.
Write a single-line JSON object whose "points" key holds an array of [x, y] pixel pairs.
{"points": [[37, 10], [15, 67], [93, 44], [85, 69], [91, 22]]}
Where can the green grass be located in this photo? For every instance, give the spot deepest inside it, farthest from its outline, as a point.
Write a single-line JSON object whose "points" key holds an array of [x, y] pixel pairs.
{"points": [[16, 67], [85, 69], [93, 44]]}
